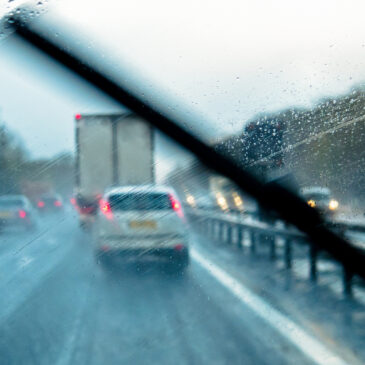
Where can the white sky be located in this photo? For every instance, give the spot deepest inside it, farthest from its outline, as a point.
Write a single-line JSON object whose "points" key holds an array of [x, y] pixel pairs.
{"points": [[226, 60]]}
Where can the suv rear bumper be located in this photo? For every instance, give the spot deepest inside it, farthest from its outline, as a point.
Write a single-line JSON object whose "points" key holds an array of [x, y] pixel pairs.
{"points": [[173, 256], [142, 243]]}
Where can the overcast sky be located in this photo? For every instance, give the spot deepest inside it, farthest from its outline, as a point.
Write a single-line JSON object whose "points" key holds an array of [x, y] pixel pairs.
{"points": [[226, 61]]}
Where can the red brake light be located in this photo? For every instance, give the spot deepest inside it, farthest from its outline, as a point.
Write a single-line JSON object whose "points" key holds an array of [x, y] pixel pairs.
{"points": [[105, 208], [176, 206], [86, 210], [22, 214], [73, 201], [57, 203], [78, 116], [179, 247], [40, 204]]}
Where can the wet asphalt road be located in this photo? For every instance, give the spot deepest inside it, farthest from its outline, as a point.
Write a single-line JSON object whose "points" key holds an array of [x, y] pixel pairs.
{"points": [[59, 306]]}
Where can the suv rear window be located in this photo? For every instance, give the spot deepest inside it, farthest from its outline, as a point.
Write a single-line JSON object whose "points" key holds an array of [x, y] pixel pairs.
{"points": [[140, 201], [11, 203]]}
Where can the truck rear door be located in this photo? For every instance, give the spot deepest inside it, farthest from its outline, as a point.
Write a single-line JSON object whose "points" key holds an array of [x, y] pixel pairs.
{"points": [[135, 151], [95, 170]]}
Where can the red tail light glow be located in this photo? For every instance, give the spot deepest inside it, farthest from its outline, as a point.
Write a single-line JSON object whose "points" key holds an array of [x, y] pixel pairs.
{"points": [[22, 214], [105, 208], [57, 203], [176, 206], [78, 116], [73, 201], [40, 204], [86, 210], [179, 247]]}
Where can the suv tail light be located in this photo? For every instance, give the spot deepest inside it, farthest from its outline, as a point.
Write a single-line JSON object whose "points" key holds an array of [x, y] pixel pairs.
{"points": [[179, 247], [105, 208], [22, 214], [176, 206], [40, 204]]}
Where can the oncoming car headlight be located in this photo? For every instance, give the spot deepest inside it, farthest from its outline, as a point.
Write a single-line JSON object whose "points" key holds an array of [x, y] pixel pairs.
{"points": [[311, 203], [333, 204]]}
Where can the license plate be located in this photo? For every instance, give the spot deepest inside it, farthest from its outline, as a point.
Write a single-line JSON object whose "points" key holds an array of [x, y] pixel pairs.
{"points": [[5, 215], [143, 224]]}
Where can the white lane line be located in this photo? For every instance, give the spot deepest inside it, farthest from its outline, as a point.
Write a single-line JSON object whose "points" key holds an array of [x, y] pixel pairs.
{"points": [[306, 343], [25, 261], [51, 241], [71, 341]]}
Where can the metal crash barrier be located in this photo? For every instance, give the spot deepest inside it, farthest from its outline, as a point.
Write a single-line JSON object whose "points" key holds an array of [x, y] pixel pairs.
{"points": [[234, 230]]}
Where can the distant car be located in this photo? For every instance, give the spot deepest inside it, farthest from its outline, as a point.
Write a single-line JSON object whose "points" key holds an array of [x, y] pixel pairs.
{"points": [[206, 202], [50, 203], [200, 201], [16, 210], [321, 199], [141, 222]]}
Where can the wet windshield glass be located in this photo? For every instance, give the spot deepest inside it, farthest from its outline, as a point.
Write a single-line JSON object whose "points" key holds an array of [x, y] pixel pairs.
{"points": [[127, 247]]}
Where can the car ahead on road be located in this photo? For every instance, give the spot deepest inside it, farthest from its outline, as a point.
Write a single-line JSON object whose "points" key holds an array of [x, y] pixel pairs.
{"points": [[321, 199], [205, 202], [50, 203], [140, 223], [16, 210], [201, 201]]}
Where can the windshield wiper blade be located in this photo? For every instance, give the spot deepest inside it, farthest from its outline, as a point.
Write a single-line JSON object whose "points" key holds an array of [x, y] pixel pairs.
{"points": [[274, 197]]}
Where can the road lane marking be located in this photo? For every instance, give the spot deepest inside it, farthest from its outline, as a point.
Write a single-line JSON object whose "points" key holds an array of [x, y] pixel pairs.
{"points": [[25, 261], [306, 343], [51, 241]]}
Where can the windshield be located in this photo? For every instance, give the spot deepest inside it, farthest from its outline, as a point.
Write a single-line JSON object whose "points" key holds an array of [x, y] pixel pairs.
{"points": [[195, 172]]}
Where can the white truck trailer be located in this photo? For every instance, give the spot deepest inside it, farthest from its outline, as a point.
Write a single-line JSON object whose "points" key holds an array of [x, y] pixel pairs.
{"points": [[111, 150]]}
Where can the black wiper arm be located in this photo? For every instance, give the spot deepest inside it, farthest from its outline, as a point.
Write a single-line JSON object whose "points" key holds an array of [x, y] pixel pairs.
{"points": [[290, 207]]}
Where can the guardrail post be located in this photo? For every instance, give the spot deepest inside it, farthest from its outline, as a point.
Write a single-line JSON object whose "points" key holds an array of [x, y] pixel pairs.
{"points": [[221, 231], [239, 237], [212, 228], [204, 226], [229, 234], [313, 253], [272, 244], [253, 241], [288, 253], [200, 224], [217, 228], [347, 282]]}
